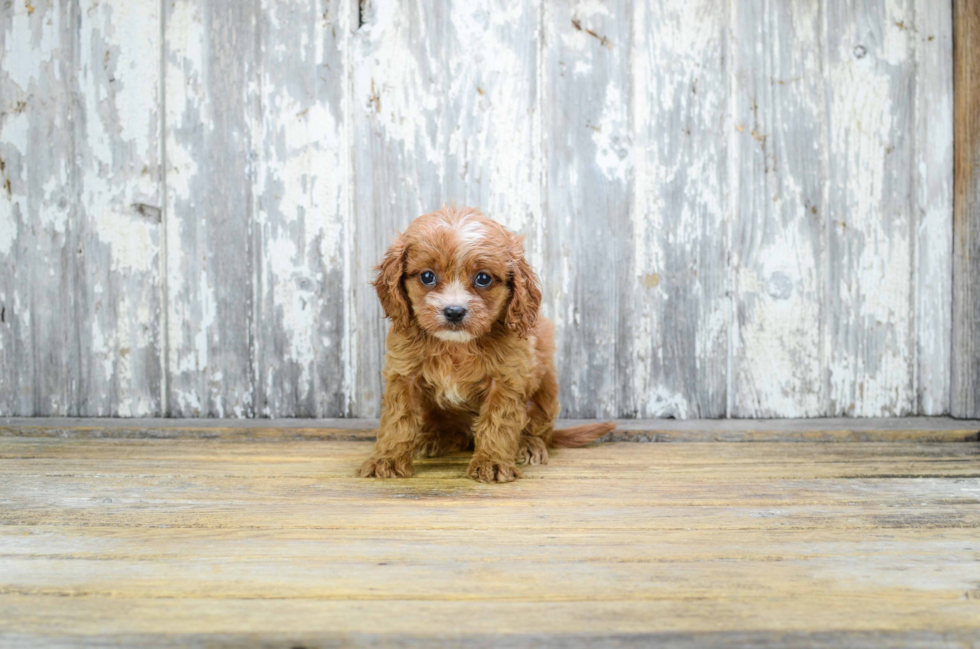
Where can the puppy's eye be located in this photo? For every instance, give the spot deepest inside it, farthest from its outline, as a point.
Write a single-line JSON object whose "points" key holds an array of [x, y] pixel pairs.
{"points": [[428, 278], [483, 280]]}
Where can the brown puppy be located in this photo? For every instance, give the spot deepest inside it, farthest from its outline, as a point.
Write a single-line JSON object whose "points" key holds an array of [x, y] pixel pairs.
{"points": [[469, 363]]}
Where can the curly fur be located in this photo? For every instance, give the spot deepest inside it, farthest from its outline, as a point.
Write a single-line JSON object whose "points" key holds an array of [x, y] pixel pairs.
{"points": [[486, 383]]}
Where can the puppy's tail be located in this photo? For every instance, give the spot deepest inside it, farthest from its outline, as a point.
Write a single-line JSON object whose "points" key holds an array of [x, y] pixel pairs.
{"points": [[579, 435]]}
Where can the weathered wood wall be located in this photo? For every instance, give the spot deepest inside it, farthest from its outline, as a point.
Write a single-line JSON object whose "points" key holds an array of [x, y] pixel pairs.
{"points": [[738, 209], [965, 395]]}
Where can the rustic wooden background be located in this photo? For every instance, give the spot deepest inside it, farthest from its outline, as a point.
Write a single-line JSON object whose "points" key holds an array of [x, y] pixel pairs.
{"points": [[738, 209]]}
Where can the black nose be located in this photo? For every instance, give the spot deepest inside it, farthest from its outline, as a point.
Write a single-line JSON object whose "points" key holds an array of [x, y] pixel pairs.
{"points": [[454, 314]]}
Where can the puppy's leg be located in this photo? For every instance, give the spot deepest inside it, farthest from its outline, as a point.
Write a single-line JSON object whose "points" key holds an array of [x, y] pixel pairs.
{"points": [[542, 411], [401, 421], [496, 433], [443, 433]]}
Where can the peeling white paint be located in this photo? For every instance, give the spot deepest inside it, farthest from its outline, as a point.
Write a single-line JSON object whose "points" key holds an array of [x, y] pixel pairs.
{"points": [[933, 204], [777, 362], [679, 203], [614, 144], [14, 131], [23, 36], [8, 225], [669, 139], [870, 362]]}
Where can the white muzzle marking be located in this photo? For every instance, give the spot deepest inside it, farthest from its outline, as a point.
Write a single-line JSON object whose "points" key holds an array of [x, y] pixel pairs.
{"points": [[455, 294]]}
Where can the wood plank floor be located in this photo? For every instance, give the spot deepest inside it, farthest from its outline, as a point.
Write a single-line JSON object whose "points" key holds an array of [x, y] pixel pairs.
{"points": [[268, 539]]}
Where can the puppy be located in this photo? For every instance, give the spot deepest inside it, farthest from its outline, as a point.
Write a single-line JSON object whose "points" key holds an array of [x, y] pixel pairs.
{"points": [[469, 364]]}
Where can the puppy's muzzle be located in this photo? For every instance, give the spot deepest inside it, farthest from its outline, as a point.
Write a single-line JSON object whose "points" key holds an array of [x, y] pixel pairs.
{"points": [[454, 314]]}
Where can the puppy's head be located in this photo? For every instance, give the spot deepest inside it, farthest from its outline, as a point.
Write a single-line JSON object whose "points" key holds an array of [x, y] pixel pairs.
{"points": [[456, 273]]}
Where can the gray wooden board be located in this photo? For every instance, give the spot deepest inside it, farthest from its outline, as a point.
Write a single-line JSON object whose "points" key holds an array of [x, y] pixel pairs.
{"points": [[211, 111], [932, 179], [920, 429], [965, 391], [300, 216], [588, 176], [870, 227], [742, 212], [777, 241], [680, 293], [117, 148], [39, 234]]}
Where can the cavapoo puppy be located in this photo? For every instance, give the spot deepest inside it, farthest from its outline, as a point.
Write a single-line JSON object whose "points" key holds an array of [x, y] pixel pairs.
{"points": [[469, 363]]}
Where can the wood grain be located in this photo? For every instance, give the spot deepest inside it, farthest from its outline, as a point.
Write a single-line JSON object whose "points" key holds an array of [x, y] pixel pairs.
{"points": [[965, 395], [217, 541], [39, 234], [211, 115], [932, 179], [117, 148], [778, 243], [869, 225], [911, 429], [301, 193], [588, 178], [680, 312]]}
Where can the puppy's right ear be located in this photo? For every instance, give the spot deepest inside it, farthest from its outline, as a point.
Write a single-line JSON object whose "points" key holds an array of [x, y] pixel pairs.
{"points": [[388, 283]]}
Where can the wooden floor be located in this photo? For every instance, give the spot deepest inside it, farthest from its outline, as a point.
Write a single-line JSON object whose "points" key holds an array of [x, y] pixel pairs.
{"points": [[259, 535]]}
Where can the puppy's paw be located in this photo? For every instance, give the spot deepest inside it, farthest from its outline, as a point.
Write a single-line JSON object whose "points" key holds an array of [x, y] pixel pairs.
{"points": [[486, 470], [386, 467], [532, 450]]}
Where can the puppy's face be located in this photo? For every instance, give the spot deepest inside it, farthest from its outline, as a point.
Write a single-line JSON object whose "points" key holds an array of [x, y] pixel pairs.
{"points": [[455, 273], [457, 281]]}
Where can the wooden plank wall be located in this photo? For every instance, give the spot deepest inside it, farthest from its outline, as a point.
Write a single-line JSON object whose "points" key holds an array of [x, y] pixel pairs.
{"points": [[965, 397], [739, 209]]}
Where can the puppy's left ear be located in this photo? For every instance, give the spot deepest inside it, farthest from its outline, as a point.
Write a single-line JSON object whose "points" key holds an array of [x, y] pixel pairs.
{"points": [[525, 294], [388, 284]]}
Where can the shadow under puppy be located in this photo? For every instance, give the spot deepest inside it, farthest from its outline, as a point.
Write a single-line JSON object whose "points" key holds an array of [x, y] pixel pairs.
{"points": [[469, 363]]}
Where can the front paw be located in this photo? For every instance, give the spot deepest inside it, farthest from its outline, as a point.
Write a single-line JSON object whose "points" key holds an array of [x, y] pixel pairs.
{"points": [[486, 470], [386, 467]]}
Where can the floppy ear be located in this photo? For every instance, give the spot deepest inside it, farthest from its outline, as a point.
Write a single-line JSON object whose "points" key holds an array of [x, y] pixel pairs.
{"points": [[525, 295], [388, 284]]}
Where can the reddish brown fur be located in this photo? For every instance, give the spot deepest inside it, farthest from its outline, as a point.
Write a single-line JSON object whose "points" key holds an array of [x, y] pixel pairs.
{"points": [[492, 387]]}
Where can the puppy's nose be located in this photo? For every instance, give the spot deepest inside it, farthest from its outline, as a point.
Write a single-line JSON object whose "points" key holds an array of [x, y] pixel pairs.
{"points": [[454, 314]]}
